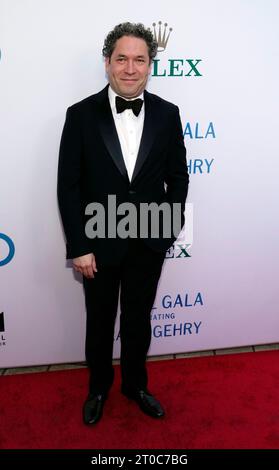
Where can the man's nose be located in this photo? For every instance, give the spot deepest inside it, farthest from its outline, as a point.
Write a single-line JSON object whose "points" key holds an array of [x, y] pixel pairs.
{"points": [[130, 67]]}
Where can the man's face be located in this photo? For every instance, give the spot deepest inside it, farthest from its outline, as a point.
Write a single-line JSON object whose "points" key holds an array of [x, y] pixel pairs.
{"points": [[128, 67]]}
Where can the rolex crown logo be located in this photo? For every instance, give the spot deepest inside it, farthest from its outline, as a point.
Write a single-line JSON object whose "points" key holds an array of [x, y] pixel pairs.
{"points": [[161, 35]]}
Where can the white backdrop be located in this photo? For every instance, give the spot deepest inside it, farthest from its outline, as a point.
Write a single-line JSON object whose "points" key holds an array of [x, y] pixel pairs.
{"points": [[220, 289]]}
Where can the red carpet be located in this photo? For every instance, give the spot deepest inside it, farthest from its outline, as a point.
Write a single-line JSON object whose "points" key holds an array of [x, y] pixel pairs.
{"points": [[214, 402]]}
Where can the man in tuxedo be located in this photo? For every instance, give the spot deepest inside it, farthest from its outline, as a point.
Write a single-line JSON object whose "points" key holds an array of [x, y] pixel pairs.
{"points": [[126, 143]]}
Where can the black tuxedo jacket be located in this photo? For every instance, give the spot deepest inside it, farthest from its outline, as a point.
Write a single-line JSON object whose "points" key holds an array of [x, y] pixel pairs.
{"points": [[91, 167]]}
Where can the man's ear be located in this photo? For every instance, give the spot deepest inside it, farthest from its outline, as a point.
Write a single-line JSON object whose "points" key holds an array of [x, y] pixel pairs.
{"points": [[107, 62]]}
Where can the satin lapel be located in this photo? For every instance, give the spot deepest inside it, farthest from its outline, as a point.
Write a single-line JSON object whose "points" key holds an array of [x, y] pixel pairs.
{"points": [[148, 134], [109, 133]]}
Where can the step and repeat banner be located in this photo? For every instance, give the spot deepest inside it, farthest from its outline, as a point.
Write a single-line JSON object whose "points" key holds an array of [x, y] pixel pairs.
{"points": [[218, 61]]}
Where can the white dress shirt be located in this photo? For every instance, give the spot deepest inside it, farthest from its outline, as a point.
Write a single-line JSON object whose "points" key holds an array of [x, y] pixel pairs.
{"points": [[129, 129]]}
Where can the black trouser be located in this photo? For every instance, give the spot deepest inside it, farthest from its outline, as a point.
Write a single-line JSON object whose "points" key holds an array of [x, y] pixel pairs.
{"points": [[137, 276]]}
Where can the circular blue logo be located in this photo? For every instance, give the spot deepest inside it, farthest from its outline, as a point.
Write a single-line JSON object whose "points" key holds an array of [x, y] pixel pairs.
{"points": [[11, 246]]}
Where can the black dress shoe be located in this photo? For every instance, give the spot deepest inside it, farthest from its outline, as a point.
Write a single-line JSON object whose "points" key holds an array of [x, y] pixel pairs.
{"points": [[147, 403], [93, 408]]}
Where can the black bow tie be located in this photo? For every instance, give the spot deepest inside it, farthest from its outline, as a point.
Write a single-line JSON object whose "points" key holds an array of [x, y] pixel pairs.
{"points": [[122, 104]]}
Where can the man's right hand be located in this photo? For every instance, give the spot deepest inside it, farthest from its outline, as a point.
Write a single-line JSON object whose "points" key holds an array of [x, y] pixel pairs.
{"points": [[85, 265]]}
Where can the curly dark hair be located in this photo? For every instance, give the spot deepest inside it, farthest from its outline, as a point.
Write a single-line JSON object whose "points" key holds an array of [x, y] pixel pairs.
{"points": [[137, 30]]}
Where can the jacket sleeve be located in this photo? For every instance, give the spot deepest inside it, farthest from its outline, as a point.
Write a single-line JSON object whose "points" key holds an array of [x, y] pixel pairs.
{"points": [[177, 177], [69, 186]]}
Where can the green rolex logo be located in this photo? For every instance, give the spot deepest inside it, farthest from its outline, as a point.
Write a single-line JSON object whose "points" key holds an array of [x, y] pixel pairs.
{"points": [[173, 67]]}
